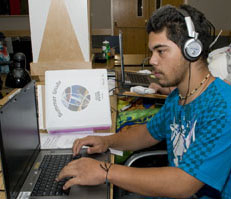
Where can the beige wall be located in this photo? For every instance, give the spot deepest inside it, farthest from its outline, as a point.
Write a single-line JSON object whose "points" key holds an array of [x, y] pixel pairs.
{"points": [[14, 23], [101, 14], [217, 11]]}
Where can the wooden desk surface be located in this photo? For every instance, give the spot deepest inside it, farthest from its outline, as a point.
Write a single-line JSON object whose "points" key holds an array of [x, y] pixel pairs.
{"points": [[2, 193], [132, 94], [131, 59]]}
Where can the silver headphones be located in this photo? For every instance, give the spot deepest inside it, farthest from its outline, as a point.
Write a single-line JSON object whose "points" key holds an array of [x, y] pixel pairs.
{"points": [[192, 47]]}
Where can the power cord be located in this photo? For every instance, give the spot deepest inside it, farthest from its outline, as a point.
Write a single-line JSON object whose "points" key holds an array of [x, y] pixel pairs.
{"points": [[144, 60]]}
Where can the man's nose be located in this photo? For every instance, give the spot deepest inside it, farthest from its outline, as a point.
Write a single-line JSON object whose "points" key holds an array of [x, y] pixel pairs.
{"points": [[153, 60]]}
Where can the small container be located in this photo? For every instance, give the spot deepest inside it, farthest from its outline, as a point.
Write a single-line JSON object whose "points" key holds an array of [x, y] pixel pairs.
{"points": [[106, 49]]}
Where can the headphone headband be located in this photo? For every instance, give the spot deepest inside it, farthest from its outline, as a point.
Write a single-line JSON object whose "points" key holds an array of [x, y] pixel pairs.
{"points": [[189, 23]]}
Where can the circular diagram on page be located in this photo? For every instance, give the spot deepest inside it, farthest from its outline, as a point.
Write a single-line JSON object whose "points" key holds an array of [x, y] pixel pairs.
{"points": [[76, 98]]}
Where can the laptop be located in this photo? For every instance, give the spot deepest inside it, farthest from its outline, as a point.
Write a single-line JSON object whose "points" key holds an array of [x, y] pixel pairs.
{"points": [[24, 163], [133, 78]]}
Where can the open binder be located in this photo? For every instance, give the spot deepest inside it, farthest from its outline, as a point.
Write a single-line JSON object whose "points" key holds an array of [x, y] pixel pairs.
{"points": [[77, 100]]}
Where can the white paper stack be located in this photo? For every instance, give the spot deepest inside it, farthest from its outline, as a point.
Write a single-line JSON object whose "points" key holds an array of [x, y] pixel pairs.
{"points": [[77, 100]]}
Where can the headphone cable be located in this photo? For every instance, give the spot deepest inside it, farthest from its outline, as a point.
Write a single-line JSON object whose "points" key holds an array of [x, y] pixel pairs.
{"points": [[180, 122], [189, 79]]}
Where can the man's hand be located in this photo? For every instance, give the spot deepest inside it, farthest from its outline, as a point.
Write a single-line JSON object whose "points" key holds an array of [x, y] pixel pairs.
{"points": [[84, 171], [155, 86], [162, 90], [97, 144]]}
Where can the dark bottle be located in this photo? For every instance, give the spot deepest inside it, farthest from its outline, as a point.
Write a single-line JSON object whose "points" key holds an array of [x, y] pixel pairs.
{"points": [[18, 76]]}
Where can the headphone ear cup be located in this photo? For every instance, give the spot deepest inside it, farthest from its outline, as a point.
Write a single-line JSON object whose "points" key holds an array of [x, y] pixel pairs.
{"points": [[192, 49]]}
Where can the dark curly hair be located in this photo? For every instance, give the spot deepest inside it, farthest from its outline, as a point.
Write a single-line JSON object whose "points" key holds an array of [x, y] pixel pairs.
{"points": [[168, 17]]}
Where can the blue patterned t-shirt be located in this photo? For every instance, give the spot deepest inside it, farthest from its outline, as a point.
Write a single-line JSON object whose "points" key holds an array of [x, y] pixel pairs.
{"points": [[198, 137]]}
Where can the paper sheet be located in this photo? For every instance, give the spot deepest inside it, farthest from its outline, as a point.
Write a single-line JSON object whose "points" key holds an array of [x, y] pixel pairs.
{"points": [[61, 141]]}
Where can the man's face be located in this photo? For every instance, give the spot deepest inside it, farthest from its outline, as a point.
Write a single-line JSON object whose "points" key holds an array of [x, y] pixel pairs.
{"points": [[169, 65]]}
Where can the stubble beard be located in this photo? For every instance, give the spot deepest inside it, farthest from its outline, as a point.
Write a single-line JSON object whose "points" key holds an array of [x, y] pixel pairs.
{"points": [[174, 82]]}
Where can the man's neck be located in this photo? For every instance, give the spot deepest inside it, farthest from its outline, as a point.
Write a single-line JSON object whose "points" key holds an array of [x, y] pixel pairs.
{"points": [[199, 78]]}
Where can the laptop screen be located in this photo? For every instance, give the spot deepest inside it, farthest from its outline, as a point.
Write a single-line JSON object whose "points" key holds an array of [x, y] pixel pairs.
{"points": [[19, 138]]}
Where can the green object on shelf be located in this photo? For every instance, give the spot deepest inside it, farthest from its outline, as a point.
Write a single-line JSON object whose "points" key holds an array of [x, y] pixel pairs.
{"points": [[121, 159], [106, 50], [138, 116]]}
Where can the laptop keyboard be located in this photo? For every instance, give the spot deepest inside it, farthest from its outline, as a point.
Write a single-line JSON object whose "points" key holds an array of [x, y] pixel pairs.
{"points": [[50, 167], [138, 78]]}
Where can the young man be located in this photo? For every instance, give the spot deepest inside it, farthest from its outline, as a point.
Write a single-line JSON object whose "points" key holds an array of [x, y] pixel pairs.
{"points": [[195, 120]]}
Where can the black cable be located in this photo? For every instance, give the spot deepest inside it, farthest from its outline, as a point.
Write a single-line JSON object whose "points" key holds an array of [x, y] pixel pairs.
{"points": [[186, 97], [118, 80], [106, 168], [108, 190], [113, 109], [189, 79], [113, 89]]}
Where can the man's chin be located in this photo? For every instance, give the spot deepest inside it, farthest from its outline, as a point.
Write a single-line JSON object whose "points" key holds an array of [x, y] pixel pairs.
{"points": [[163, 84]]}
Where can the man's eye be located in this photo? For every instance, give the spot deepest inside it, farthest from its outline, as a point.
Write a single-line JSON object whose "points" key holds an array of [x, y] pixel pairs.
{"points": [[161, 51]]}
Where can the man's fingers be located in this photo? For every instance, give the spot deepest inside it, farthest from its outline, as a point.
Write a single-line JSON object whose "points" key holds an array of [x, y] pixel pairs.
{"points": [[66, 172], [78, 144], [71, 182], [75, 147], [93, 149]]}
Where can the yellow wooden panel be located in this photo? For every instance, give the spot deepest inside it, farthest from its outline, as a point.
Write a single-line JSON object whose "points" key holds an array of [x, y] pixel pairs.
{"points": [[1, 182], [152, 7], [173, 2], [125, 13], [1, 179], [2, 195], [135, 40]]}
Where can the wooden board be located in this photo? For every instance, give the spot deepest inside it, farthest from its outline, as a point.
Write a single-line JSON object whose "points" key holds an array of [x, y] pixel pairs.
{"points": [[59, 40]]}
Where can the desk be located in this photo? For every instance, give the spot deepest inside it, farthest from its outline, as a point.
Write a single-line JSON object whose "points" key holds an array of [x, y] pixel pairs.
{"points": [[2, 194], [4, 91], [7, 96], [128, 93]]}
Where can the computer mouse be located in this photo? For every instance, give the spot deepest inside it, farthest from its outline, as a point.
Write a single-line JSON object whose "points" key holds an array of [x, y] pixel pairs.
{"points": [[76, 157]]}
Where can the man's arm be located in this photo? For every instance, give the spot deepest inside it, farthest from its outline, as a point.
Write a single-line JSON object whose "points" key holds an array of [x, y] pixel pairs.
{"points": [[164, 181], [162, 90], [160, 181], [133, 139]]}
